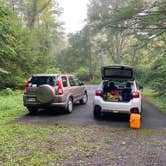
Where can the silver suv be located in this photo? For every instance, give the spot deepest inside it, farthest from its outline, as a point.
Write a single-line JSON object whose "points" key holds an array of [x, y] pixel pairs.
{"points": [[53, 90]]}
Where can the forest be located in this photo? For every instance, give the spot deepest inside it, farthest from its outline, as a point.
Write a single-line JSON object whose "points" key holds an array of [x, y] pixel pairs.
{"points": [[130, 32]]}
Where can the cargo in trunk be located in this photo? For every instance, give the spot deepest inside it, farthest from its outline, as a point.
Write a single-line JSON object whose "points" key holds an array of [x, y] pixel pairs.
{"points": [[117, 91]]}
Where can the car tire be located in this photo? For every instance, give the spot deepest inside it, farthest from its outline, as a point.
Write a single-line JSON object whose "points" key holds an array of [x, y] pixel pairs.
{"points": [[32, 110], [97, 112], [69, 107], [84, 100]]}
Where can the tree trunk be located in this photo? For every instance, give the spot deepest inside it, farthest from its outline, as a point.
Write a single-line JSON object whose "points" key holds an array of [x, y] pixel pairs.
{"points": [[32, 14]]}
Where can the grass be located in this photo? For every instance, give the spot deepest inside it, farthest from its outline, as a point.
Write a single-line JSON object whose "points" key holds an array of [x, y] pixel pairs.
{"points": [[38, 145], [10, 106], [154, 98]]}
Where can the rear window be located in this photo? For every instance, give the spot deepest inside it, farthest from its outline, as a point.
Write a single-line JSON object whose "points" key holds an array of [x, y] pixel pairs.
{"points": [[118, 73], [41, 80]]}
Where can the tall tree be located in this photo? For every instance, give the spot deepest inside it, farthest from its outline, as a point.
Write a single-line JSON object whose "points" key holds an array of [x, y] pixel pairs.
{"points": [[102, 18], [24, 49]]}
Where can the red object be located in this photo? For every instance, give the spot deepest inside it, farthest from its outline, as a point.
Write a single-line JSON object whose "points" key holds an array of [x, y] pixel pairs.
{"points": [[98, 92], [115, 92], [26, 85], [136, 94], [60, 88]]}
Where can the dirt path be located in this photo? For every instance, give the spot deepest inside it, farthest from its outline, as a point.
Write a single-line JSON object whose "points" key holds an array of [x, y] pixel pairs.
{"points": [[105, 142], [83, 115]]}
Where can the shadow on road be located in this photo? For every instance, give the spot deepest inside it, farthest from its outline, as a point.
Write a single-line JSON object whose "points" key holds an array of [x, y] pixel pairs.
{"points": [[52, 112], [115, 117], [47, 113]]}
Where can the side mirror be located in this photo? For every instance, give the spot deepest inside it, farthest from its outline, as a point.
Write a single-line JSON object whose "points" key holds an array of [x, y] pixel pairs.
{"points": [[141, 88]]}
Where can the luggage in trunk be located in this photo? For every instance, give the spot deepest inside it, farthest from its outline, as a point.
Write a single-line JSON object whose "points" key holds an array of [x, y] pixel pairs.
{"points": [[112, 97], [118, 95]]}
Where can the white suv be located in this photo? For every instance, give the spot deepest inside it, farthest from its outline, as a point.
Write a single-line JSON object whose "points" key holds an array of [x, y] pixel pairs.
{"points": [[117, 93]]}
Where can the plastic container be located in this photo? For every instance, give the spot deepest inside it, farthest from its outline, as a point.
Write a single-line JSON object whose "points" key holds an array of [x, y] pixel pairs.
{"points": [[135, 121]]}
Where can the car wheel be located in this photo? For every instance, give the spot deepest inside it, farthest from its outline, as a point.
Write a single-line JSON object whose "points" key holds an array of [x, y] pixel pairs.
{"points": [[84, 100], [32, 110], [69, 107], [97, 112]]}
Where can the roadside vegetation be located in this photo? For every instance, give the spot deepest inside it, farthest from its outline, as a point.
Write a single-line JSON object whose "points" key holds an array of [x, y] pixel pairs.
{"points": [[10, 105], [154, 98], [40, 145]]}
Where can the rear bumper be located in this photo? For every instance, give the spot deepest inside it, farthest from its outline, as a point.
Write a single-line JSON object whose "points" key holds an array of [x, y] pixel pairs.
{"points": [[60, 105], [40, 105], [117, 107]]}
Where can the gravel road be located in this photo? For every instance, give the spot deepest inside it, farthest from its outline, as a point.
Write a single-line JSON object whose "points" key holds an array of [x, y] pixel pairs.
{"points": [[83, 115]]}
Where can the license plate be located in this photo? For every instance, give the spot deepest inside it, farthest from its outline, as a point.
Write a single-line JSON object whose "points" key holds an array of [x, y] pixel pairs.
{"points": [[31, 99]]}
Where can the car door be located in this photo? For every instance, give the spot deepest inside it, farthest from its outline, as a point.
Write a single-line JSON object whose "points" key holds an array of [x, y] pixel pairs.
{"points": [[79, 88], [66, 90], [73, 88]]}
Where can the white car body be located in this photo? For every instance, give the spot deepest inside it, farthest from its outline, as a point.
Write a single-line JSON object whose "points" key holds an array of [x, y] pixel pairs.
{"points": [[118, 107], [119, 76]]}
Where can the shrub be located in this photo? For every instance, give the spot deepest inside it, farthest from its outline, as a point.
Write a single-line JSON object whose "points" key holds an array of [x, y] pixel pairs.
{"points": [[6, 92]]}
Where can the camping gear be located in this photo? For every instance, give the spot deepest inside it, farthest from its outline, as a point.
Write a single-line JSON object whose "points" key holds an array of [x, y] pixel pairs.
{"points": [[135, 121], [113, 96]]}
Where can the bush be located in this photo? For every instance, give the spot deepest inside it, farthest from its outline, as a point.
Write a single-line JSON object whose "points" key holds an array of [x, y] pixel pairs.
{"points": [[6, 92], [142, 77], [53, 71], [82, 73], [158, 75]]}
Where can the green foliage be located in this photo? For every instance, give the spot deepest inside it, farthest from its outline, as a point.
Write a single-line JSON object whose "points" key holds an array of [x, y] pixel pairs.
{"points": [[25, 48], [10, 105], [155, 98], [2, 71], [78, 57], [7, 38], [158, 75], [6, 92], [142, 77], [82, 73], [53, 70]]}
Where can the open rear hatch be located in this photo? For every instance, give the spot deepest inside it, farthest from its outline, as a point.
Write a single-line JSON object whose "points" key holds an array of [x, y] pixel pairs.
{"points": [[117, 72]]}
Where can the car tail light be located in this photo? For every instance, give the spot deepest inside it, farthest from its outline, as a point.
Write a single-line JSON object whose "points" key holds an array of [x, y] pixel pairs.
{"points": [[60, 89], [136, 94], [27, 84], [98, 92]]}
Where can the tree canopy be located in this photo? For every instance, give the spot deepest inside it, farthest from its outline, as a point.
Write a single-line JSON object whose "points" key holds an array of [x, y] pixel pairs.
{"points": [[30, 33], [123, 32]]}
